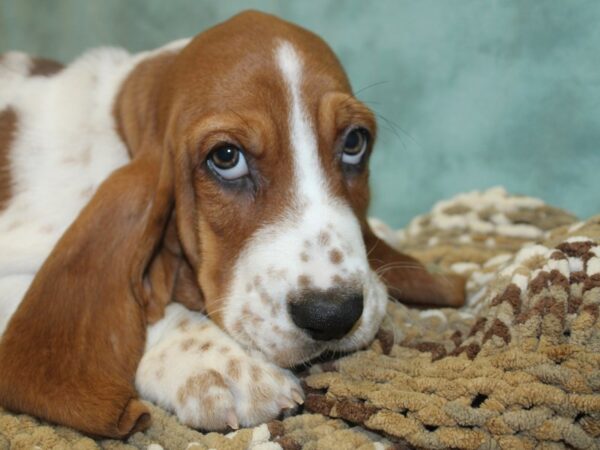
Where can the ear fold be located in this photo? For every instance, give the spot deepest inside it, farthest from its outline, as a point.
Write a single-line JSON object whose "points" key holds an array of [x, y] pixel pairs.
{"points": [[407, 279], [170, 277], [70, 352]]}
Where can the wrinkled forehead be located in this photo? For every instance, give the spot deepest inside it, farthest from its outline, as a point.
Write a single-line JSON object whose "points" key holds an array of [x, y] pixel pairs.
{"points": [[246, 64]]}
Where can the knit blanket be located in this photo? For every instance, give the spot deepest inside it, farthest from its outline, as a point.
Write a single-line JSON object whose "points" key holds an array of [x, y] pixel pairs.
{"points": [[517, 367]]}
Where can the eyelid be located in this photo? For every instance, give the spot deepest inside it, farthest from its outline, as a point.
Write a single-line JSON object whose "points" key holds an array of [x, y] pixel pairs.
{"points": [[249, 141]]}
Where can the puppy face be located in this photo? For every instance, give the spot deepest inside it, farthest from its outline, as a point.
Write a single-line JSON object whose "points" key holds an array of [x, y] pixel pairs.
{"points": [[276, 148]]}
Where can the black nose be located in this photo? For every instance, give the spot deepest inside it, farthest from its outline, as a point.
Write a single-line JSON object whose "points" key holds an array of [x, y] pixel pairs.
{"points": [[326, 315]]}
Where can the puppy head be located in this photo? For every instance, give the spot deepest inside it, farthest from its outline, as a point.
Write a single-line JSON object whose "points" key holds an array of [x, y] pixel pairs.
{"points": [[263, 125]]}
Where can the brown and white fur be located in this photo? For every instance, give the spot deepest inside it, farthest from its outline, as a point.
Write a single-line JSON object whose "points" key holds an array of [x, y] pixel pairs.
{"points": [[128, 268]]}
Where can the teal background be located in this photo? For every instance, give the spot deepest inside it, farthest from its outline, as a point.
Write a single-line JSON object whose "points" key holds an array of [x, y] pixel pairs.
{"points": [[470, 94]]}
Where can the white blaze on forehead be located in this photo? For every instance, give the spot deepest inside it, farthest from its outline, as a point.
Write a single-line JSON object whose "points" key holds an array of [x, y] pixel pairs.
{"points": [[308, 172]]}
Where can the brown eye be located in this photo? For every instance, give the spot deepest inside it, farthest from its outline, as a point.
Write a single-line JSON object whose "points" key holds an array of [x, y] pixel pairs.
{"points": [[355, 145], [228, 161]]}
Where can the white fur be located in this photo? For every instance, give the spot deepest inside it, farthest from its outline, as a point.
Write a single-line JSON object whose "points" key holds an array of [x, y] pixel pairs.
{"points": [[67, 145]]}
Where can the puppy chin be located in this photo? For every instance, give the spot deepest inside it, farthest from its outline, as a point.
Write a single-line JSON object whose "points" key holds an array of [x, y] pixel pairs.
{"points": [[356, 341], [295, 357], [298, 355]]}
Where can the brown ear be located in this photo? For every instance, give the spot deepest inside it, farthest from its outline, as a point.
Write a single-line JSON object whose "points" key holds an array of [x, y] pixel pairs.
{"points": [[70, 352], [170, 277], [407, 279]]}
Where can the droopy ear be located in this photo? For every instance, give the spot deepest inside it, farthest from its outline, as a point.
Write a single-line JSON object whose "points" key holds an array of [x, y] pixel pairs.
{"points": [[407, 279], [70, 352]]}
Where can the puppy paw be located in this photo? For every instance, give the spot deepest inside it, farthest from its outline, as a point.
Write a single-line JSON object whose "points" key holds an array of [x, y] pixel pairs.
{"points": [[210, 382]]}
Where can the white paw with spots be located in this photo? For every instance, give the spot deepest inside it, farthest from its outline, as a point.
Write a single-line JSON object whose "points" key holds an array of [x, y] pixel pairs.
{"points": [[194, 369]]}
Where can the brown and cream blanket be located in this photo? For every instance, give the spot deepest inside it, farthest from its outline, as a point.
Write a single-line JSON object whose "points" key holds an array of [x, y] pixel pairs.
{"points": [[517, 367]]}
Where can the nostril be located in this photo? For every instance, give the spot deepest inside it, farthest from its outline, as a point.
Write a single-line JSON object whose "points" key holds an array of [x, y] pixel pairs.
{"points": [[326, 315]]}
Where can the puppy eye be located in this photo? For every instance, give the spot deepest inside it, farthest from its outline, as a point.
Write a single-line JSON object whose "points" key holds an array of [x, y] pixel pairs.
{"points": [[228, 161], [355, 145]]}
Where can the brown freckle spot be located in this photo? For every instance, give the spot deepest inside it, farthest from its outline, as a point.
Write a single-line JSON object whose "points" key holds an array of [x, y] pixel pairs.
{"points": [[249, 287], [336, 279], [304, 256], [206, 346], [209, 402], [275, 309], [197, 385], [8, 128], [234, 369], [183, 324], [336, 256], [259, 319], [307, 243], [264, 298], [203, 326], [324, 238], [238, 327], [224, 350], [257, 280], [256, 373], [187, 344], [304, 281]]}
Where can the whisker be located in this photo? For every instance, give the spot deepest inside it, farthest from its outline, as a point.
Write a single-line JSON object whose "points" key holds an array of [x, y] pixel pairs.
{"points": [[373, 248], [401, 264], [390, 128], [372, 85], [397, 127]]}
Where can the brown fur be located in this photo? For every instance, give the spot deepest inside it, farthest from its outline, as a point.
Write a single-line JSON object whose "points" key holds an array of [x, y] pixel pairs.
{"points": [[44, 67], [162, 228]]}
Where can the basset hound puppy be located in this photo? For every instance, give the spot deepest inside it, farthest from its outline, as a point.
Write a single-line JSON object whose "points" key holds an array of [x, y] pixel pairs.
{"points": [[182, 225]]}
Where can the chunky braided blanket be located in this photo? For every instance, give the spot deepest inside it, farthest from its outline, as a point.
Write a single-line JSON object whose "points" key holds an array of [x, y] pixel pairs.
{"points": [[517, 367]]}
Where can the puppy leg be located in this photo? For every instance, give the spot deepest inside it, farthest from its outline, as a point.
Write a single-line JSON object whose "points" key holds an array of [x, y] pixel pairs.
{"points": [[194, 369]]}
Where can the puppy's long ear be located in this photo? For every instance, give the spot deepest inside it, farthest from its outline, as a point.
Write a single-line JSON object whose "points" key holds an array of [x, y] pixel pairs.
{"points": [[70, 352], [407, 279]]}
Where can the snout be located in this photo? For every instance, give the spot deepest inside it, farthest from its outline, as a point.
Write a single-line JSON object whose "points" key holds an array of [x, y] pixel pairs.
{"points": [[326, 315]]}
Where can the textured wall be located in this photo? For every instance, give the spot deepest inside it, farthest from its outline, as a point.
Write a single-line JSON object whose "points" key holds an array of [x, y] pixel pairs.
{"points": [[470, 93]]}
